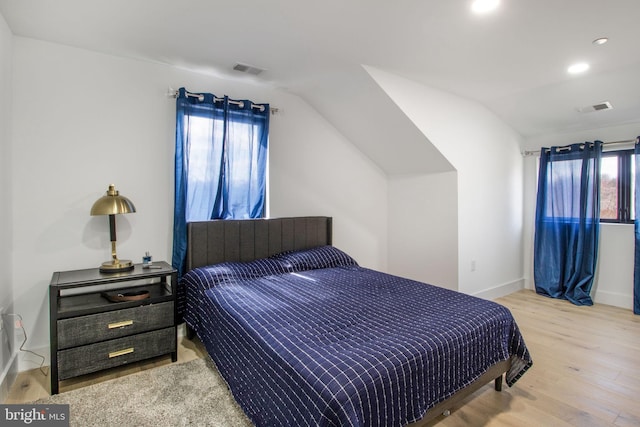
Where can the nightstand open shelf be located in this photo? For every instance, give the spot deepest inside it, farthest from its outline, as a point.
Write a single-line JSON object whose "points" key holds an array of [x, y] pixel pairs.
{"points": [[90, 333], [94, 302]]}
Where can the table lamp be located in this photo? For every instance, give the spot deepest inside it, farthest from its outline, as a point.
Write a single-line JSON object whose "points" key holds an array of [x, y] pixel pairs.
{"points": [[112, 203]]}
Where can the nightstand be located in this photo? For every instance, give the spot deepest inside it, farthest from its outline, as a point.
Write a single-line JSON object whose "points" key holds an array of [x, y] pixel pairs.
{"points": [[89, 333]]}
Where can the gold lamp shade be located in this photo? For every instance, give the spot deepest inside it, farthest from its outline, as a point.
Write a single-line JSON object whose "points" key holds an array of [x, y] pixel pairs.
{"points": [[112, 203]]}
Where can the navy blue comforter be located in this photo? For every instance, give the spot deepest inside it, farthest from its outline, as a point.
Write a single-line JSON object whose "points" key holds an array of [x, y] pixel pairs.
{"points": [[310, 338]]}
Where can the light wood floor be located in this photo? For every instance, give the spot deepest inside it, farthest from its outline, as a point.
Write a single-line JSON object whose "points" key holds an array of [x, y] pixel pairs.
{"points": [[586, 370]]}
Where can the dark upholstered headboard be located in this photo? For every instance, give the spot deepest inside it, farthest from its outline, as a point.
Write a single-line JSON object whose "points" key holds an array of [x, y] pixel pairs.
{"points": [[215, 241]]}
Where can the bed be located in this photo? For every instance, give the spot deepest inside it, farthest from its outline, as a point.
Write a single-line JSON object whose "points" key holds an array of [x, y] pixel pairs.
{"points": [[303, 335]]}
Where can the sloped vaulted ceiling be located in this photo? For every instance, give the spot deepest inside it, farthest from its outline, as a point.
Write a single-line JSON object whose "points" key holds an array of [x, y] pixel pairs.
{"points": [[513, 61], [352, 101]]}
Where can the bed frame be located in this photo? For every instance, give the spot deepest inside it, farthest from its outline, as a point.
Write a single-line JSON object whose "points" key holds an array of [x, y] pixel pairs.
{"points": [[215, 241]]}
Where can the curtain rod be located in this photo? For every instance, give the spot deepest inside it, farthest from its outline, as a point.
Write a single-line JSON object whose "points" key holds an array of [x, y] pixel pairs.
{"points": [[174, 94], [626, 141]]}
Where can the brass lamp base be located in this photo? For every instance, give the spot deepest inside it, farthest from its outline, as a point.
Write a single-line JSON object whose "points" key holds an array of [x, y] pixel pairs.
{"points": [[116, 266]]}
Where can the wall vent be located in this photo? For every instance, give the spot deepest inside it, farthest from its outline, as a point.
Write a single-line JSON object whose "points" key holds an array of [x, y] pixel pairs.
{"points": [[602, 106], [596, 107], [249, 69]]}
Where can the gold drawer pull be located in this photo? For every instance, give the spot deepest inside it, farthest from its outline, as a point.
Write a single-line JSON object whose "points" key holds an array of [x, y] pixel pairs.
{"points": [[120, 352], [120, 324]]}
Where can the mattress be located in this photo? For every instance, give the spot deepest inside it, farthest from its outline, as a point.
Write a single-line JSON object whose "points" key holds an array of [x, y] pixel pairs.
{"points": [[311, 338]]}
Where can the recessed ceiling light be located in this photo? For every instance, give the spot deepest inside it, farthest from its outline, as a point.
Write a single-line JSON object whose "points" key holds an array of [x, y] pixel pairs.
{"points": [[599, 41], [578, 68], [484, 6]]}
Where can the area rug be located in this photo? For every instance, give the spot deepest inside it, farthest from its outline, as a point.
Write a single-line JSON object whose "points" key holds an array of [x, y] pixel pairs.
{"points": [[181, 394]]}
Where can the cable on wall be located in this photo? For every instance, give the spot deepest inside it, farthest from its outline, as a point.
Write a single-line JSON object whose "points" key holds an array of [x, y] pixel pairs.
{"points": [[24, 341]]}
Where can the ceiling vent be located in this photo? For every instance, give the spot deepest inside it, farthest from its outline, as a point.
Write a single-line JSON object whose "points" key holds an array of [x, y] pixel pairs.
{"points": [[596, 107], [249, 69]]}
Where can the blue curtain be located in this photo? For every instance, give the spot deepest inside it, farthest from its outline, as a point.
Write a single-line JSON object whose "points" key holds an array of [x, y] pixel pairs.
{"points": [[636, 269], [567, 222], [220, 162]]}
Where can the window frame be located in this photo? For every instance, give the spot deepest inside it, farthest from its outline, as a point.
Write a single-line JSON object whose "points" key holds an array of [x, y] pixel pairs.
{"points": [[625, 196]]}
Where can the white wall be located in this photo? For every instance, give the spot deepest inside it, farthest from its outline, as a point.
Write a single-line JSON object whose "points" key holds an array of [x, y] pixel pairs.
{"points": [[6, 290], [423, 228], [316, 171], [82, 120], [486, 155], [613, 284]]}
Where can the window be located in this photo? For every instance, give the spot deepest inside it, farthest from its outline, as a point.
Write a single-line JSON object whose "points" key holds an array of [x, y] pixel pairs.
{"points": [[220, 163], [617, 187], [224, 155]]}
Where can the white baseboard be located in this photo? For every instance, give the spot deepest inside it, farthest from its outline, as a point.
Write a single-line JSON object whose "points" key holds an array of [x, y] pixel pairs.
{"points": [[8, 377], [501, 290], [613, 298]]}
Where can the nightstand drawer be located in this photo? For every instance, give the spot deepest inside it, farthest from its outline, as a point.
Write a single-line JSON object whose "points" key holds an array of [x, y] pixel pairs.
{"points": [[113, 324], [108, 354]]}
